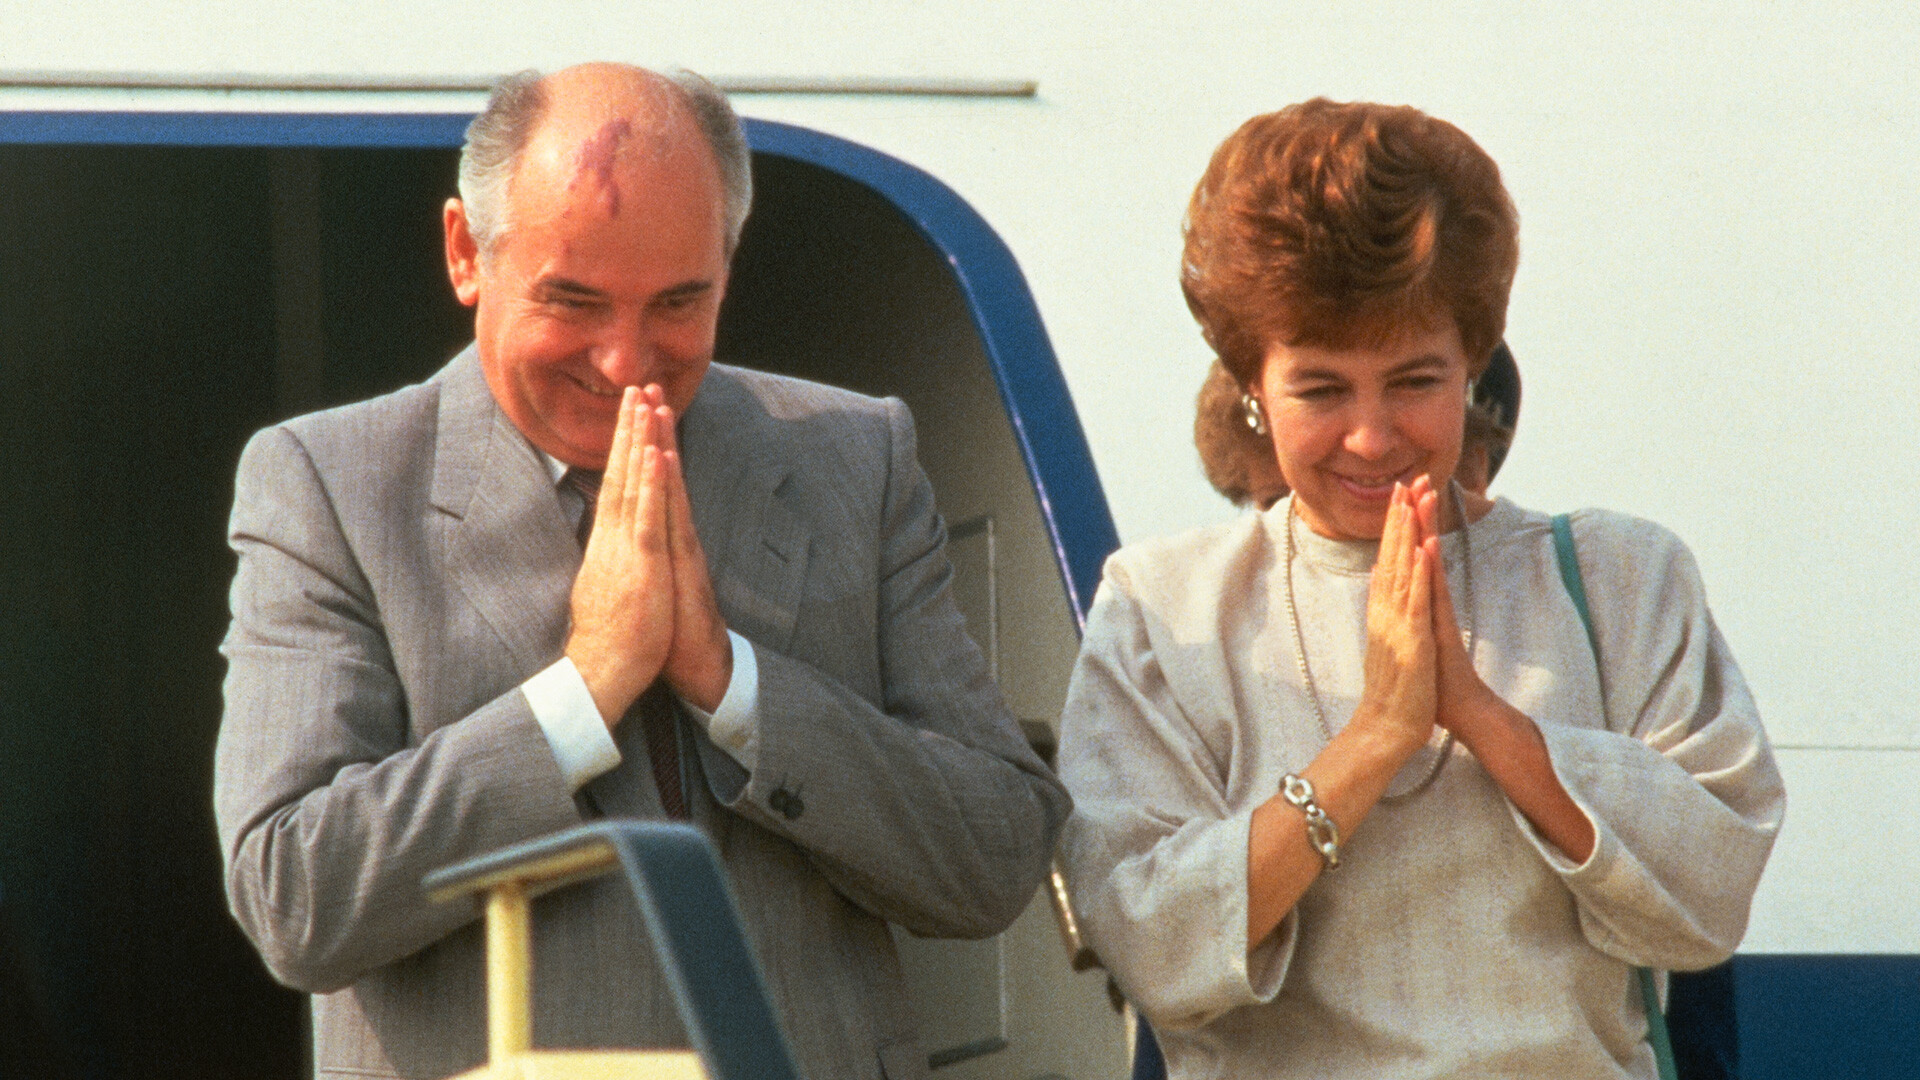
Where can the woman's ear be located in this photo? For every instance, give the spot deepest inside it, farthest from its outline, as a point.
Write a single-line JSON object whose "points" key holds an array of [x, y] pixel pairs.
{"points": [[1239, 461]]}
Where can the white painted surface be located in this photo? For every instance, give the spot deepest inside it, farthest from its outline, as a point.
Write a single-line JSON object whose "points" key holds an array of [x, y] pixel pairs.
{"points": [[1716, 311], [1845, 875]]}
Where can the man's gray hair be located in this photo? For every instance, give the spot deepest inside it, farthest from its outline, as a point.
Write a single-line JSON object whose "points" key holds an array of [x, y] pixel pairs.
{"points": [[515, 108], [714, 113]]}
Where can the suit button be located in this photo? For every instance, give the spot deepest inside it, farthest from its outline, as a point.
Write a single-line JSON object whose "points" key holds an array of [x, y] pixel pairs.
{"points": [[786, 803]]}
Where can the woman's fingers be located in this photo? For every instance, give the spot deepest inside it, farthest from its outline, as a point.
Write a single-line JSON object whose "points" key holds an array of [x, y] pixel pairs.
{"points": [[1446, 625], [1430, 588], [1399, 600], [1394, 556], [1426, 502], [1420, 608], [1400, 677]]}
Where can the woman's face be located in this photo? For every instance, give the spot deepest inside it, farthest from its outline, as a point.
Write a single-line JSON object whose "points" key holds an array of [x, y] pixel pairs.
{"points": [[1348, 423]]}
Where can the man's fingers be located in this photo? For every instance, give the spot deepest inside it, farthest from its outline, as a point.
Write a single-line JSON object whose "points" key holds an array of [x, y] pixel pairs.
{"points": [[683, 537], [678, 512], [614, 478], [670, 433], [622, 478], [651, 526], [646, 448]]}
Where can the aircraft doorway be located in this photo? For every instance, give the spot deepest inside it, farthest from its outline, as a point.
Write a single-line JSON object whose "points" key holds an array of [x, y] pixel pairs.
{"points": [[158, 303]]}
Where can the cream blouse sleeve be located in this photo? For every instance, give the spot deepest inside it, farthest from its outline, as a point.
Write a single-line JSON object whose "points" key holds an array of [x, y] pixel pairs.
{"points": [[1155, 858], [1679, 782]]}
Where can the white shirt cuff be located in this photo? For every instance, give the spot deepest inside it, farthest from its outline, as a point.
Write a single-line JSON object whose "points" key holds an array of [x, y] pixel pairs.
{"points": [[565, 711], [734, 726]]}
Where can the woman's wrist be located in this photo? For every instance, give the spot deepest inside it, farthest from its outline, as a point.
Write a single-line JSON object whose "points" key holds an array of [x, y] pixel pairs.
{"points": [[1510, 747], [1322, 834], [1381, 740], [1489, 727]]}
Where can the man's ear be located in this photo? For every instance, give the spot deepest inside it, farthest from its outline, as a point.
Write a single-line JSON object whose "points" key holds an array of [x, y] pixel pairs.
{"points": [[463, 254]]}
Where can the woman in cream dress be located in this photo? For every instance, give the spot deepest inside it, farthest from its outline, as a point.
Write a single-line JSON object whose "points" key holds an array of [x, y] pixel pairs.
{"points": [[1357, 796]]}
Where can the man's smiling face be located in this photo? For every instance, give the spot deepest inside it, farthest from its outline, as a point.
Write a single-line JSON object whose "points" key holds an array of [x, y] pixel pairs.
{"points": [[608, 270]]}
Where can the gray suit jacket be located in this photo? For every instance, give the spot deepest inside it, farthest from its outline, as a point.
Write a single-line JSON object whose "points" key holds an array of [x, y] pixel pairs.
{"points": [[405, 563]]}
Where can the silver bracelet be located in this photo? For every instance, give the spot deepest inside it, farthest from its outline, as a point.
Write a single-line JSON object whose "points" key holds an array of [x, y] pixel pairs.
{"points": [[1322, 833]]}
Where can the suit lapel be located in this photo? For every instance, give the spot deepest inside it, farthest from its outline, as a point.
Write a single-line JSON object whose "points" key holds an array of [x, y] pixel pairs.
{"points": [[738, 472], [507, 546]]}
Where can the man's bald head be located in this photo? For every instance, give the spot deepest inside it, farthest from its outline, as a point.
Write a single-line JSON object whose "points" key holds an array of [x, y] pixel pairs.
{"points": [[602, 115], [596, 255]]}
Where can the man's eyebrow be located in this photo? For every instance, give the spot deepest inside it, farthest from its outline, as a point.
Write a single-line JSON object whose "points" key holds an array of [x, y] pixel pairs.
{"points": [[564, 286], [567, 286], [686, 290]]}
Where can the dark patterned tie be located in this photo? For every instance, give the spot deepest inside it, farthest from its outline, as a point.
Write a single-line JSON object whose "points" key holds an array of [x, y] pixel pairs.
{"points": [[654, 709], [587, 483]]}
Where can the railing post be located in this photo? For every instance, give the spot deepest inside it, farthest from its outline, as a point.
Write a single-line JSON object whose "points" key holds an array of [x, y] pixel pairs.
{"points": [[509, 972]]}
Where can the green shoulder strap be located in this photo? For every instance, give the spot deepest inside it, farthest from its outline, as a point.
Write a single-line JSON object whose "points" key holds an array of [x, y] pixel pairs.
{"points": [[1577, 592]]}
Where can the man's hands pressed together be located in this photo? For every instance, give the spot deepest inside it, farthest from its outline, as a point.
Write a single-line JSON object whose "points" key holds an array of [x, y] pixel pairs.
{"points": [[700, 659], [642, 603]]}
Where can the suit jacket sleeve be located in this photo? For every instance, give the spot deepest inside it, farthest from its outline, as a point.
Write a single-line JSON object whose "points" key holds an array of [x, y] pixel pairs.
{"points": [[330, 807], [925, 806]]}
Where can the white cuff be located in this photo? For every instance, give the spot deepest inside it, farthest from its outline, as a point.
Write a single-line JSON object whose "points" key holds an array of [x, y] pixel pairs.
{"points": [[735, 725], [565, 711]]}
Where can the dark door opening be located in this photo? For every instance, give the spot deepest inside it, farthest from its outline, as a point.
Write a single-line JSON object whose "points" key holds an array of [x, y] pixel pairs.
{"points": [[157, 306]]}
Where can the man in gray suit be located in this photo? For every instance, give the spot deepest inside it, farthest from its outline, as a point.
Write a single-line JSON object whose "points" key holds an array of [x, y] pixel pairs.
{"points": [[424, 663]]}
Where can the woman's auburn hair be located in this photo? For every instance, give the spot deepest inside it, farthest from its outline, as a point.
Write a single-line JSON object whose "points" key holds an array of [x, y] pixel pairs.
{"points": [[1337, 225]]}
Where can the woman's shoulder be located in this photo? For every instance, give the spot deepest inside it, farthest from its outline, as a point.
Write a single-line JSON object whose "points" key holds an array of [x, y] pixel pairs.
{"points": [[1610, 534], [1608, 544], [1197, 562], [1594, 529]]}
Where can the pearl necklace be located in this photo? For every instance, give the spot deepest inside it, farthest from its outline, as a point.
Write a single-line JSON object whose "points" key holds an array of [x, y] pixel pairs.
{"points": [[1300, 642]]}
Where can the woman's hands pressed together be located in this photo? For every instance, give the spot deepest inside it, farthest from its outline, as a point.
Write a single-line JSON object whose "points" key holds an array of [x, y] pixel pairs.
{"points": [[1418, 674], [1400, 697], [1398, 708], [1505, 741]]}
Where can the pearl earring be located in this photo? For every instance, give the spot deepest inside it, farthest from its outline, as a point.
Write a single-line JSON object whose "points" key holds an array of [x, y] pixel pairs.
{"points": [[1256, 416]]}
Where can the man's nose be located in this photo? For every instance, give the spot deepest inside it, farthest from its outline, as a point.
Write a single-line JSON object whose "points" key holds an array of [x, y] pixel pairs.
{"points": [[623, 355]]}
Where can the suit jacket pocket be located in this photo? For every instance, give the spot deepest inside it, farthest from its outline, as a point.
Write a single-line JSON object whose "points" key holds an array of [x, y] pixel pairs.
{"points": [[758, 586]]}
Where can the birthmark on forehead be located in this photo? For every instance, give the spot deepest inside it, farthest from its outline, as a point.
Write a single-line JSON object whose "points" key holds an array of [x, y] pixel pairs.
{"points": [[594, 163]]}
